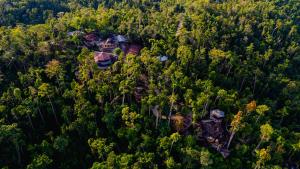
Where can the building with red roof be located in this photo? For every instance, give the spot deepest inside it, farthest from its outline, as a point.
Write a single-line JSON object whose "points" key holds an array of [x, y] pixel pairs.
{"points": [[104, 59]]}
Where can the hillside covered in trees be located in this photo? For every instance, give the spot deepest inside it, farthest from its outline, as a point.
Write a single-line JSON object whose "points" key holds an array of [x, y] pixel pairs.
{"points": [[142, 84]]}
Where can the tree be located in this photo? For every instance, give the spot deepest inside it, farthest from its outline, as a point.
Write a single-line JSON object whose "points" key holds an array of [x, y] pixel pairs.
{"points": [[100, 147], [205, 158], [24, 108], [45, 90], [60, 143], [263, 156], [172, 99], [261, 109], [235, 126], [174, 138], [251, 106], [170, 163], [266, 132], [11, 135], [40, 162], [130, 118], [53, 69], [185, 56]]}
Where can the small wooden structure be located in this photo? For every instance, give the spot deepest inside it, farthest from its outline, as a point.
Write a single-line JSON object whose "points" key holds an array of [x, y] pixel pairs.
{"points": [[108, 45]]}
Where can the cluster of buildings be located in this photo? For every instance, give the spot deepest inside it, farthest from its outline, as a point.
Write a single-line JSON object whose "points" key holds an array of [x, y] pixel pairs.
{"points": [[213, 132], [210, 132], [104, 48]]}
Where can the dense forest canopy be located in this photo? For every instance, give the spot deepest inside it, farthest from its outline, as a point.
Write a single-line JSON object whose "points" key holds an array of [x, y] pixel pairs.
{"points": [[59, 110]]}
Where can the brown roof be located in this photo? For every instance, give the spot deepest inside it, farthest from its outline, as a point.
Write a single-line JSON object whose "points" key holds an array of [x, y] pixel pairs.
{"points": [[102, 56], [91, 37], [134, 49]]}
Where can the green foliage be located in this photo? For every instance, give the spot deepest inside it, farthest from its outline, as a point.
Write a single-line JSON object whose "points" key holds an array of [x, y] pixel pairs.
{"points": [[58, 110], [99, 146], [40, 162]]}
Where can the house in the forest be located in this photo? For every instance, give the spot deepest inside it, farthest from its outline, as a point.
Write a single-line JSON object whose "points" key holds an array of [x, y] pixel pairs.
{"points": [[214, 132], [121, 39], [104, 59], [113, 42], [108, 45], [210, 132], [134, 49], [217, 115], [123, 42], [91, 40]]}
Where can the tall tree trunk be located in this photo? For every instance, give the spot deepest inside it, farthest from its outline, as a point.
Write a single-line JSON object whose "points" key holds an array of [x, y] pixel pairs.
{"points": [[156, 122], [18, 152], [254, 85], [171, 146], [54, 114], [216, 100], [170, 113], [123, 99], [41, 115], [229, 71], [205, 107], [230, 139], [281, 119], [242, 84], [258, 145], [30, 121], [257, 119]]}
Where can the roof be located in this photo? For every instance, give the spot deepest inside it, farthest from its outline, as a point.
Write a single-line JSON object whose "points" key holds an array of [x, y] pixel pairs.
{"points": [[109, 40], [216, 135], [102, 56], [121, 38], [211, 128], [134, 49], [91, 37], [217, 113], [163, 58], [75, 33]]}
